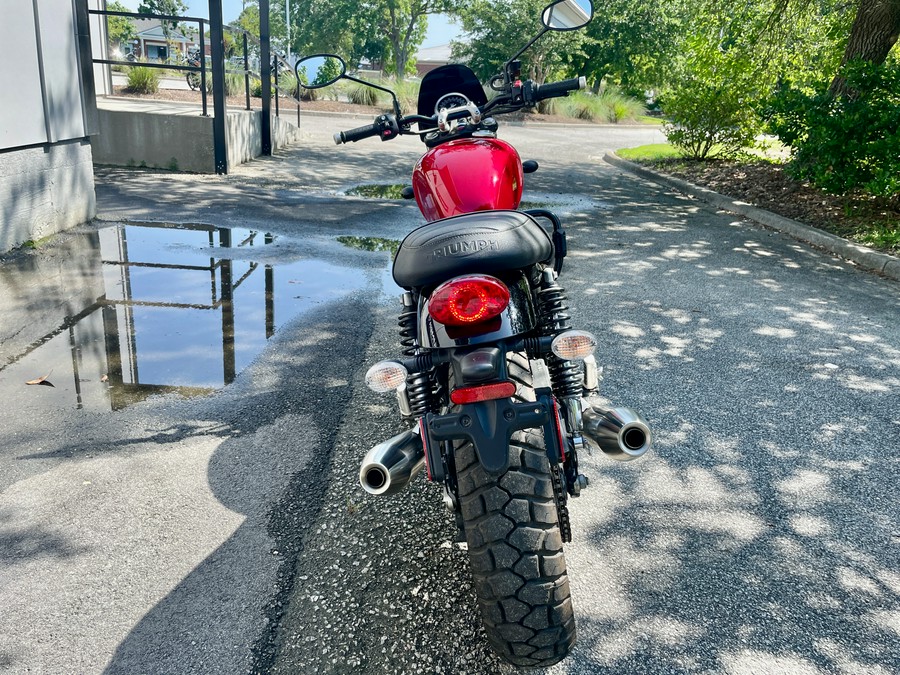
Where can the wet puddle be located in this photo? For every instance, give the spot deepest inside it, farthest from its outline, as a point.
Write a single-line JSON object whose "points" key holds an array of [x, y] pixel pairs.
{"points": [[134, 310]]}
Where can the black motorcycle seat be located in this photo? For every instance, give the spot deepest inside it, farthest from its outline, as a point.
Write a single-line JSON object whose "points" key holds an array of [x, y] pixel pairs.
{"points": [[484, 242]]}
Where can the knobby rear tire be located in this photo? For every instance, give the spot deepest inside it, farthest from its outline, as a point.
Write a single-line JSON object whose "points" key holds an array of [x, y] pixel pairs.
{"points": [[515, 547]]}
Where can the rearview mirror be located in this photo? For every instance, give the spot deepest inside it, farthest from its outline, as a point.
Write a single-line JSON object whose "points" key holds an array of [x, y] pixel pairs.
{"points": [[320, 70], [568, 14]]}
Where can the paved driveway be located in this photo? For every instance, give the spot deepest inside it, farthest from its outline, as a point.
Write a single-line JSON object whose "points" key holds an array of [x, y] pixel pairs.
{"points": [[227, 533]]}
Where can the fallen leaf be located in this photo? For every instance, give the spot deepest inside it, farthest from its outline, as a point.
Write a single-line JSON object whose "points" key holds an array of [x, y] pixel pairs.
{"points": [[105, 378], [42, 380]]}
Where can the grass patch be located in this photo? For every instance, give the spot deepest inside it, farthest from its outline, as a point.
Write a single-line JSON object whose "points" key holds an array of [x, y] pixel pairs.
{"points": [[649, 119], [378, 191], [885, 237], [34, 244], [650, 153]]}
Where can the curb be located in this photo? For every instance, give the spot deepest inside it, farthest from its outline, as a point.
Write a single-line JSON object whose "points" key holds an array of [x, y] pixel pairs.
{"points": [[866, 258]]}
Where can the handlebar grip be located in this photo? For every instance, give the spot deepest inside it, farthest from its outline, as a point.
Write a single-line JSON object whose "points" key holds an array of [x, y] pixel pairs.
{"points": [[353, 135], [554, 89]]}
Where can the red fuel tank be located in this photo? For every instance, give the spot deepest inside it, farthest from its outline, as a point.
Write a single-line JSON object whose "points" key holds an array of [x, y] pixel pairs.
{"points": [[466, 175]]}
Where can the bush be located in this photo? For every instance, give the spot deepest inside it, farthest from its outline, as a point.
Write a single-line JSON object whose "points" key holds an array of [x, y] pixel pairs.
{"points": [[143, 80], [407, 93], [844, 143], [287, 86], [610, 106], [708, 119], [578, 105], [616, 106], [234, 84], [361, 94]]}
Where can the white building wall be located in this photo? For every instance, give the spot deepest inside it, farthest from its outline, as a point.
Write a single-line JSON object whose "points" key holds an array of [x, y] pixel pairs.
{"points": [[46, 174]]}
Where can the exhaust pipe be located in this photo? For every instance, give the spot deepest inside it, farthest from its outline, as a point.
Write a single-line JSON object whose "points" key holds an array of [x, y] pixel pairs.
{"points": [[390, 466], [620, 433]]}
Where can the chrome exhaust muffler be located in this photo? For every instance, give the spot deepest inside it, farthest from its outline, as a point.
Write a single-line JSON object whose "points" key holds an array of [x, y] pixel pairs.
{"points": [[390, 466], [620, 433]]}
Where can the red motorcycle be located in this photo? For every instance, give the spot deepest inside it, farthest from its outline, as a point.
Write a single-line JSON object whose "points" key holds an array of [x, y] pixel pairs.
{"points": [[498, 389]]}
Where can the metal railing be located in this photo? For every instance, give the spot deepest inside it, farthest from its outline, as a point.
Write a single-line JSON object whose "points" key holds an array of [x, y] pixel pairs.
{"points": [[277, 59], [268, 61], [201, 22]]}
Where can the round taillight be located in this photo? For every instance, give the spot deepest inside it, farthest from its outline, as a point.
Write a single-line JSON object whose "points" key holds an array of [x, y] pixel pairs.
{"points": [[467, 300]]}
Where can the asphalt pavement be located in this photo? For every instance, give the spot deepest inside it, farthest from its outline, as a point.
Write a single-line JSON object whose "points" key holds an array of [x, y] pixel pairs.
{"points": [[227, 533]]}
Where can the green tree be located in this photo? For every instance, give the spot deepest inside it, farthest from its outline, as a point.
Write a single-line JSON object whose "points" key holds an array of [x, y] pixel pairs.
{"points": [[403, 24], [497, 30], [249, 18], [168, 7], [632, 43], [120, 29], [872, 34]]}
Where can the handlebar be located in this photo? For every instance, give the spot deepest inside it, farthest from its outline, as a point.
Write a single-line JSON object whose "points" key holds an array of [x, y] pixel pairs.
{"points": [[353, 135], [554, 89], [384, 126], [388, 126]]}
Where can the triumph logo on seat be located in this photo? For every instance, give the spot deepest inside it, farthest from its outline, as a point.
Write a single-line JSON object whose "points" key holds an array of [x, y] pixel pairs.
{"points": [[460, 249]]}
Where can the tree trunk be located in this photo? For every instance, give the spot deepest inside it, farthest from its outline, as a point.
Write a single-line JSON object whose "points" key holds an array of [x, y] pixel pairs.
{"points": [[874, 33]]}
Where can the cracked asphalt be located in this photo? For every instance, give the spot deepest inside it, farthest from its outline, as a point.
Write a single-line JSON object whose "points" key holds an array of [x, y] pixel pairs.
{"points": [[227, 533]]}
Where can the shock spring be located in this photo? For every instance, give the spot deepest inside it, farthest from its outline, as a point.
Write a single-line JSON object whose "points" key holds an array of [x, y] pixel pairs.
{"points": [[407, 322], [554, 312], [419, 385]]}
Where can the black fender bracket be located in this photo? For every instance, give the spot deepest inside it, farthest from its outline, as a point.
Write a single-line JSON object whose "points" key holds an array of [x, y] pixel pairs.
{"points": [[489, 425]]}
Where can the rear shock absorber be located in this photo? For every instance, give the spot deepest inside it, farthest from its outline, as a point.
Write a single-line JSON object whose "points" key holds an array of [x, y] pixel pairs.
{"points": [[407, 323], [420, 390], [553, 306]]}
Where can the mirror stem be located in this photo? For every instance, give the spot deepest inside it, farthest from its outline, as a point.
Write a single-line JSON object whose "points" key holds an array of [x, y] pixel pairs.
{"points": [[519, 53], [376, 86]]}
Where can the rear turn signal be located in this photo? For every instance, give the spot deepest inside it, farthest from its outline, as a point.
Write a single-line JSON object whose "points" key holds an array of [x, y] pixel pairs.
{"points": [[484, 392], [574, 345], [386, 376], [467, 300]]}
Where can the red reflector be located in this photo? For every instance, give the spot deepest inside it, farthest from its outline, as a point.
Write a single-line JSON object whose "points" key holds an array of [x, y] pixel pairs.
{"points": [[469, 299], [483, 392]]}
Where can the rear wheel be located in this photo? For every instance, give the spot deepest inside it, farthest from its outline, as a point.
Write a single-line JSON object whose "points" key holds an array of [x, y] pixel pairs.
{"points": [[515, 547]]}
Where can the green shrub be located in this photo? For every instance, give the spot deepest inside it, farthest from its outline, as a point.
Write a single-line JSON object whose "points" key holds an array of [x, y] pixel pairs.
{"points": [[234, 84], [361, 94], [143, 80], [610, 106], [407, 93], [847, 142], [619, 107], [709, 118], [580, 106], [256, 88], [550, 106], [287, 86], [710, 106]]}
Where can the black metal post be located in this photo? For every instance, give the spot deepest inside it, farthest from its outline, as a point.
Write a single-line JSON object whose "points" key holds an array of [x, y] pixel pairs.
{"points": [[203, 66], [217, 46], [275, 64], [265, 67], [246, 71]]}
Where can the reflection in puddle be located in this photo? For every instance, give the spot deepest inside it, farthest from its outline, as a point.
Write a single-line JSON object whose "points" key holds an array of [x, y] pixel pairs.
{"points": [[166, 311], [371, 243]]}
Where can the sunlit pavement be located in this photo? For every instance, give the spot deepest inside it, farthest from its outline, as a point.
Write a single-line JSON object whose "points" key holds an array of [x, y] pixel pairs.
{"points": [[225, 532]]}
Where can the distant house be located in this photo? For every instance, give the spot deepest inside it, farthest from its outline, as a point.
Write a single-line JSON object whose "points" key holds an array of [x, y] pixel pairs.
{"points": [[430, 58], [150, 42]]}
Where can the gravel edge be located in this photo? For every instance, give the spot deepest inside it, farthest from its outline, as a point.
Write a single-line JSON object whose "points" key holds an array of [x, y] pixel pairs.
{"points": [[882, 263]]}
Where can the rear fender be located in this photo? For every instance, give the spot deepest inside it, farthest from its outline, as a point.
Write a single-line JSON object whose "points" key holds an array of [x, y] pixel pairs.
{"points": [[489, 425]]}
